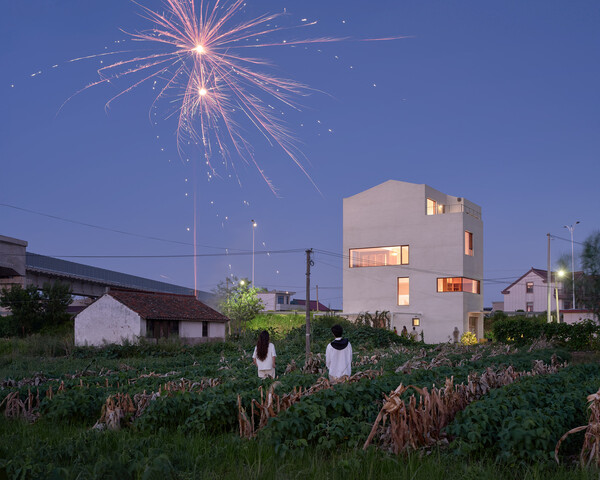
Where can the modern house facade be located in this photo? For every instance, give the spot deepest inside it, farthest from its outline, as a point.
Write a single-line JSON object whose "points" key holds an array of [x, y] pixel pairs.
{"points": [[417, 253], [122, 315]]}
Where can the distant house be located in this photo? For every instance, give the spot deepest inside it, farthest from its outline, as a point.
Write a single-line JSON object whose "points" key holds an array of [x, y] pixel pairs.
{"points": [[120, 315], [276, 300], [314, 305], [529, 293]]}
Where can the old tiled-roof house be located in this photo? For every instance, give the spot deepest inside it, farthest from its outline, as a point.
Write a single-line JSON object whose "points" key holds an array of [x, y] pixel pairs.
{"points": [[120, 315]]}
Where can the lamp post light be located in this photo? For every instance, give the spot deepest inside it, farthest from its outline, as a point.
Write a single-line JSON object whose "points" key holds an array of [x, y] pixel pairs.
{"points": [[254, 224], [571, 228]]}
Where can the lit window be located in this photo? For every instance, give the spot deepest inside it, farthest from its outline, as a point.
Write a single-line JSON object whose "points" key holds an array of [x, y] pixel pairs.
{"points": [[529, 287], [458, 284], [468, 243], [378, 256], [416, 321], [431, 207], [403, 291], [529, 307]]}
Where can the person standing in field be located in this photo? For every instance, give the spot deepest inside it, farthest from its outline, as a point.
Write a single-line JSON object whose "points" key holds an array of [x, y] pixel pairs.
{"points": [[264, 356], [338, 356]]}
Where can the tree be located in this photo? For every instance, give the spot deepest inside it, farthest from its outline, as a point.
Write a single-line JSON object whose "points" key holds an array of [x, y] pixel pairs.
{"points": [[238, 300], [32, 310], [590, 264], [55, 299], [25, 306]]}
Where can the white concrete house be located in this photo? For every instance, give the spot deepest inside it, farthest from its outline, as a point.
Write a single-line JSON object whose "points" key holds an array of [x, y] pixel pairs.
{"points": [[128, 315], [417, 253], [276, 300]]}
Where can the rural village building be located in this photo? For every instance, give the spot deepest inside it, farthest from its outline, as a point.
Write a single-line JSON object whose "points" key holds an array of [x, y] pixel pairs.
{"points": [[276, 300], [529, 294], [120, 315], [417, 253]]}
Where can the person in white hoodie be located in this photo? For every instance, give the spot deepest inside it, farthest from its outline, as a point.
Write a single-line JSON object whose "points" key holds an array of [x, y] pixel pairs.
{"points": [[338, 356]]}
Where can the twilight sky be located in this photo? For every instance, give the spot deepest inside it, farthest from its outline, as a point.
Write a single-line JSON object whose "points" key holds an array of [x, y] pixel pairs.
{"points": [[497, 102]]}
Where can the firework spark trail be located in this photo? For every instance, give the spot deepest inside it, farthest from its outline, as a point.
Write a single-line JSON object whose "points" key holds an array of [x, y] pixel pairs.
{"points": [[218, 86]]}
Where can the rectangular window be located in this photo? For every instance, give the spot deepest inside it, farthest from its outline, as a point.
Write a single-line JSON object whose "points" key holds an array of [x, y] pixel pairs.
{"points": [[458, 284], [529, 307], [468, 243], [205, 329], [529, 287], [431, 207], [280, 299], [416, 321], [403, 291], [379, 256]]}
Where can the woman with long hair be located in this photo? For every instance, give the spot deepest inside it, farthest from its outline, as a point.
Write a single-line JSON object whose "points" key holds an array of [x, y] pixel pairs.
{"points": [[264, 356]]}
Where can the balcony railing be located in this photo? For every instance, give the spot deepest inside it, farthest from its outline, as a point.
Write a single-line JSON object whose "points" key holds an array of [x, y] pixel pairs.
{"points": [[454, 208]]}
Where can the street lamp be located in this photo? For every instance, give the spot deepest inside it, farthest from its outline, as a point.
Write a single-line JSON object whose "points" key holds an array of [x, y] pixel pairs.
{"points": [[571, 228], [254, 224]]}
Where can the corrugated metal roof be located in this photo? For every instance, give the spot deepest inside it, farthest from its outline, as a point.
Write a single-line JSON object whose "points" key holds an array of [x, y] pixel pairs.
{"points": [[56, 266]]}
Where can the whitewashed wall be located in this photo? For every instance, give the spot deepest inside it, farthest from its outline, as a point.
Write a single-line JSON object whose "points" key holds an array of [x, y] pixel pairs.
{"points": [[107, 321], [269, 301], [193, 330], [518, 297]]}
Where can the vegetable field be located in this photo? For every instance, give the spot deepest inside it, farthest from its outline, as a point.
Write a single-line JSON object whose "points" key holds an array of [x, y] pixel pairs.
{"points": [[408, 411]]}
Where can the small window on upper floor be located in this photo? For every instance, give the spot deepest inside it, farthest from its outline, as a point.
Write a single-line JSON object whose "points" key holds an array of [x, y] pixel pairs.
{"points": [[529, 287], [431, 207], [468, 243]]}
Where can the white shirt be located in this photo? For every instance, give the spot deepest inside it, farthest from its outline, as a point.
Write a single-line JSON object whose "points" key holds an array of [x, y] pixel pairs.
{"points": [[339, 362], [267, 363]]}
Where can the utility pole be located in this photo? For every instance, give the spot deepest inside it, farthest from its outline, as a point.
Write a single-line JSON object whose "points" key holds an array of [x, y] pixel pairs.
{"points": [[571, 228], [309, 263], [317, 288], [548, 279]]}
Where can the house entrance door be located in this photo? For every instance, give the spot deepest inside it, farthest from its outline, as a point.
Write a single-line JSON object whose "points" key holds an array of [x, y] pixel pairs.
{"points": [[473, 325]]}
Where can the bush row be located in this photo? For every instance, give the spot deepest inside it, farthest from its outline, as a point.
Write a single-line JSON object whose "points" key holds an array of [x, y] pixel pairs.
{"points": [[524, 420], [523, 330]]}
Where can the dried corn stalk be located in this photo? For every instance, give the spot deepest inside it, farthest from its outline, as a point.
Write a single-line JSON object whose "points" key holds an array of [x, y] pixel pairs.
{"points": [[590, 452], [17, 408], [116, 412], [419, 423], [271, 404]]}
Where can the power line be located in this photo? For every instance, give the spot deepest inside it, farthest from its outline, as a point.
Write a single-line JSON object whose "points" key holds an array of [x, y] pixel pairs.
{"points": [[183, 255], [107, 229]]}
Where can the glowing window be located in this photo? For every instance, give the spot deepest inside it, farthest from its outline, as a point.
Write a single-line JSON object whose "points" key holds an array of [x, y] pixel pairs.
{"points": [[529, 307], [403, 291], [431, 207], [416, 321], [458, 284], [529, 287], [468, 243], [378, 256]]}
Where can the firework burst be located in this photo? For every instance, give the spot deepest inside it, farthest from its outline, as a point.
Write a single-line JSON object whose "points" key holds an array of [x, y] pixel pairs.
{"points": [[200, 55]]}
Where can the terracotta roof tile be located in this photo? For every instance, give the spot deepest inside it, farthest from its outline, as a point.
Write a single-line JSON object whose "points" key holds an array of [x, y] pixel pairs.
{"points": [[167, 306]]}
